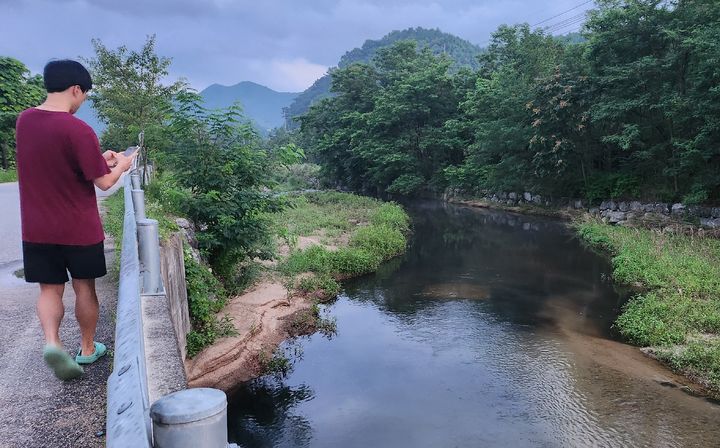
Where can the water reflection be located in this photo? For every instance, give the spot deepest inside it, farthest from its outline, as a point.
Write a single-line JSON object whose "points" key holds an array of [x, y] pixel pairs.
{"points": [[492, 331]]}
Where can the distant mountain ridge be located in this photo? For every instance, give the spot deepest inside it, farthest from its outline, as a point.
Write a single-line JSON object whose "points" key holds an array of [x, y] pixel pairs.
{"points": [[259, 103], [461, 51]]}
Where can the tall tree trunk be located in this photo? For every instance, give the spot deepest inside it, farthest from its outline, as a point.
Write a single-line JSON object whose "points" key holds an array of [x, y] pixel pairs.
{"points": [[3, 150]]}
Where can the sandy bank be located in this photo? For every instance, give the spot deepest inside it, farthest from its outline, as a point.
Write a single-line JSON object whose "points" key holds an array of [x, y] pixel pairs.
{"points": [[262, 319]]}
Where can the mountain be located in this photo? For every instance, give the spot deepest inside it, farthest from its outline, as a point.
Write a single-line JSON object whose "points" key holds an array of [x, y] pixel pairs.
{"points": [[461, 51], [262, 105]]}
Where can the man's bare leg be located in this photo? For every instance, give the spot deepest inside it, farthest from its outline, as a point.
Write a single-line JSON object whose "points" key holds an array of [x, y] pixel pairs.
{"points": [[86, 312], [50, 311]]}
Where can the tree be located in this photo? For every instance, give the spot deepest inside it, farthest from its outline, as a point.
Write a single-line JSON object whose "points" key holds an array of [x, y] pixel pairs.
{"points": [[129, 94], [216, 159], [18, 91]]}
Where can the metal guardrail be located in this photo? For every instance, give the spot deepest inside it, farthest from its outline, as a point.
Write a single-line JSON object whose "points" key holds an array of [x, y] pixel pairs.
{"points": [[191, 418], [128, 418]]}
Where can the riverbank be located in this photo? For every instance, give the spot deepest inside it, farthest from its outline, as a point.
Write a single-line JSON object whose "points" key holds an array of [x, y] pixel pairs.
{"points": [[674, 315], [322, 238]]}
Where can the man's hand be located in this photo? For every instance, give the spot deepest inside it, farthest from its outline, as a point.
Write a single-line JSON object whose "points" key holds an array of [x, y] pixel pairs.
{"points": [[109, 157], [121, 164], [124, 162]]}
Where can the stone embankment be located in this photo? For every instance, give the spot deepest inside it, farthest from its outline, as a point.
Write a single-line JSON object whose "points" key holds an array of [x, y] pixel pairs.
{"points": [[611, 211]]}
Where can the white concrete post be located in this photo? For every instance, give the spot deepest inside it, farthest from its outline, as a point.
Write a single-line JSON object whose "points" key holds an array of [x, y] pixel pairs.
{"points": [[190, 418], [149, 251]]}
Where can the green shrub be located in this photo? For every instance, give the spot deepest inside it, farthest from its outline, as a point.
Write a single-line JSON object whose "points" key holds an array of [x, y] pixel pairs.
{"points": [[8, 175], [206, 298], [353, 261], [319, 282], [312, 259], [380, 240], [391, 215]]}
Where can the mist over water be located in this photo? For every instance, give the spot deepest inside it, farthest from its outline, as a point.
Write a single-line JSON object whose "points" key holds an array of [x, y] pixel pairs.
{"points": [[493, 330]]}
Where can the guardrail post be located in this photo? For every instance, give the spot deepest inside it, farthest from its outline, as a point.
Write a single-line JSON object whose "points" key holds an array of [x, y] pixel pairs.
{"points": [[138, 197], [149, 251], [135, 179], [191, 418]]}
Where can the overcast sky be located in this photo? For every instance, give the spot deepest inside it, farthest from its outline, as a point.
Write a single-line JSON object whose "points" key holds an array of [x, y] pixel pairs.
{"points": [[284, 44]]}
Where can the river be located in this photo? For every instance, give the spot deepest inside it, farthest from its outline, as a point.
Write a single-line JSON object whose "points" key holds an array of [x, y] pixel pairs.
{"points": [[493, 330]]}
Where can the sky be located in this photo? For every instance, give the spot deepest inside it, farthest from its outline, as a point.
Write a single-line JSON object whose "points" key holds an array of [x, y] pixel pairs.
{"points": [[283, 44]]}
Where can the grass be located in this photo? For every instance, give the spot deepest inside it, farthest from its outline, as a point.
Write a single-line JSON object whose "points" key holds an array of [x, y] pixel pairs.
{"points": [[8, 175], [377, 232], [678, 307]]}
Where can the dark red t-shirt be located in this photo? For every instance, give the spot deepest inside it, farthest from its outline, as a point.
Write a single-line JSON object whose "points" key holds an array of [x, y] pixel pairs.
{"points": [[58, 156]]}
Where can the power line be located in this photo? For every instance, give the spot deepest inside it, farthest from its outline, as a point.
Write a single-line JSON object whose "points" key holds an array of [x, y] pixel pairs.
{"points": [[569, 25], [564, 24], [564, 12]]}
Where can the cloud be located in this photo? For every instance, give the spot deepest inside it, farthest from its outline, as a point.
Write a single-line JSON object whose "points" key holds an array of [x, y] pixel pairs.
{"points": [[295, 75], [281, 43]]}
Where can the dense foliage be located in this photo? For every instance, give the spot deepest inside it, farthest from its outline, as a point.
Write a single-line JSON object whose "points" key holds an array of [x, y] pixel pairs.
{"points": [[216, 172], [18, 91], [630, 110], [461, 52]]}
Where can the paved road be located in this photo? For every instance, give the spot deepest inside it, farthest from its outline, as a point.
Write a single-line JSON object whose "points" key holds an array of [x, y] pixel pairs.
{"points": [[36, 409]]}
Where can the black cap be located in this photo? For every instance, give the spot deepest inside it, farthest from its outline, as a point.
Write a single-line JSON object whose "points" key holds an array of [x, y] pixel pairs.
{"points": [[61, 74]]}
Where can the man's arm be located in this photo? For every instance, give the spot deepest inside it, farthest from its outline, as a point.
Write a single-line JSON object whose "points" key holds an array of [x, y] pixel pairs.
{"points": [[123, 164]]}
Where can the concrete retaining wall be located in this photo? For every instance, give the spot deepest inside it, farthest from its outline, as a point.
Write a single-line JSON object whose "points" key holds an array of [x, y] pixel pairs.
{"points": [[172, 265], [612, 211]]}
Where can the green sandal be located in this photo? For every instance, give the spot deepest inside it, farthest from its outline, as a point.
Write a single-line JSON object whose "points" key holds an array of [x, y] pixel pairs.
{"points": [[61, 363], [99, 352]]}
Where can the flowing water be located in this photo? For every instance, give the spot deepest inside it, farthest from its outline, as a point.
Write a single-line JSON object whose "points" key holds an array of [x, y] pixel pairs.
{"points": [[494, 330]]}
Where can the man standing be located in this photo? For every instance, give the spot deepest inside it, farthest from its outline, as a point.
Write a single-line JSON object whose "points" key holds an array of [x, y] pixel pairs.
{"points": [[59, 164]]}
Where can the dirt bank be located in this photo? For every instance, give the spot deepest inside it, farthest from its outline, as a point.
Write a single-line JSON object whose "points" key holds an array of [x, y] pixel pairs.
{"points": [[262, 318]]}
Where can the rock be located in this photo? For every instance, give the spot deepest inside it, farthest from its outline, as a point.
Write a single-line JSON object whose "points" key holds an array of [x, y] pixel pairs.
{"points": [[677, 209], [699, 211], [494, 198], [623, 206], [710, 223], [510, 202], [715, 212], [661, 208], [526, 226], [183, 223], [512, 196], [502, 195], [578, 204], [612, 205], [187, 229], [537, 199], [527, 196], [616, 217], [594, 211], [605, 205], [636, 206]]}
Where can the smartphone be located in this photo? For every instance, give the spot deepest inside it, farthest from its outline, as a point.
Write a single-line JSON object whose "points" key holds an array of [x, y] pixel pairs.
{"points": [[130, 151]]}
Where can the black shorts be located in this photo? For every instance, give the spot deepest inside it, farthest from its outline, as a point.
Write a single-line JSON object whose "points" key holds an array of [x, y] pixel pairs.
{"points": [[50, 263]]}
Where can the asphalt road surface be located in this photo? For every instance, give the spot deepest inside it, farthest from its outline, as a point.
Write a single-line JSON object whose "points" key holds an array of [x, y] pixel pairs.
{"points": [[37, 409]]}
